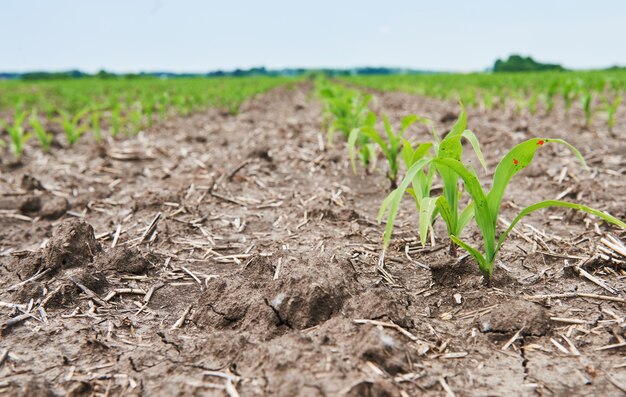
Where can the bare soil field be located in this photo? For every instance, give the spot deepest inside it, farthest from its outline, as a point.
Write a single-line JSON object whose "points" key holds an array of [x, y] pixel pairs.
{"points": [[227, 255]]}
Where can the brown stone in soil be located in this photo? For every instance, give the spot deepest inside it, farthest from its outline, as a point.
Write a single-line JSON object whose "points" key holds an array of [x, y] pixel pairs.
{"points": [[73, 244], [123, 260]]}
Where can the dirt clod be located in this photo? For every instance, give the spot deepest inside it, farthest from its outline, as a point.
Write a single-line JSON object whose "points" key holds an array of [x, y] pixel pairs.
{"points": [[451, 272], [305, 293], [94, 280], [123, 260], [26, 264], [73, 244], [385, 350], [510, 317], [54, 208], [29, 204], [30, 183]]}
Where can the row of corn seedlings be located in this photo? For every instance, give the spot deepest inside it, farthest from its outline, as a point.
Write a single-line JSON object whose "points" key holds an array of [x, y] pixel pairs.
{"points": [[440, 159], [33, 110], [596, 91]]}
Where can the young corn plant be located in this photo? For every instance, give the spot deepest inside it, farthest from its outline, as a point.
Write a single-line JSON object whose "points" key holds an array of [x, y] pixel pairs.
{"points": [[116, 119], [568, 94], [359, 141], [136, 118], [96, 128], [549, 97], [611, 109], [45, 138], [17, 134], [587, 99], [532, 103], [486, 205], [390, 148], [346, 110], [71, 125], [446, 205]]}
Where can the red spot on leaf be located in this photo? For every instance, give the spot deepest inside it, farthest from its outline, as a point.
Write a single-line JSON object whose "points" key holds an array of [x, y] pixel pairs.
{"points": [[541, 142], [515, 162]]}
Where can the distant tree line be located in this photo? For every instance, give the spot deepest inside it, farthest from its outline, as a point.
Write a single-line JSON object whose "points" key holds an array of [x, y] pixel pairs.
{"points": [[518, 63], [256, 71]]}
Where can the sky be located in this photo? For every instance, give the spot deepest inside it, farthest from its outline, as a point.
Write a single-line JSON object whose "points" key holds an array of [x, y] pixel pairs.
{"points": [[199, 36]]}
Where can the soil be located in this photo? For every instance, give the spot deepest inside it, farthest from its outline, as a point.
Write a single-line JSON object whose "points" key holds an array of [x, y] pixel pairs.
{"points": [[238, 255]]}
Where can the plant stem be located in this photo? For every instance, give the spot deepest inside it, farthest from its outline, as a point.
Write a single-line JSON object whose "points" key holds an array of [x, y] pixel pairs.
{"points": [[453, 249]]}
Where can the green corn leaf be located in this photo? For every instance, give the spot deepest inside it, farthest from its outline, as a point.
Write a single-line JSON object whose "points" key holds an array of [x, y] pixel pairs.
{"points": [[466, 215], [385, 205], [451, 148], [407, 152], [387, 126], [420, 152], [372, 134], [460, 125], [428, 205], [407, 121], [445, 211], [513, 162], [485, 267], [469, 135], [484, 218], [352, 139], [372, 159], [558, 203], [370, 120], [397, 195]]}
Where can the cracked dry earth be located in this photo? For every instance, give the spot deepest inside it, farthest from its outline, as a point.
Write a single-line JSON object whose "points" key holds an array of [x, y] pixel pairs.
{"points": [[237, 255]]}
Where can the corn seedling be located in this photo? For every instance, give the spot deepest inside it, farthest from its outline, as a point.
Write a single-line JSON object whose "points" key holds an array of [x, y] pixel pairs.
{"points": [[71, 125], [568, 95], [390, 148], [136, 117], [116, 120], [45, 138], [17, 134], [611, 109], [532, 103], [96, 128], [345, 110], [586, 102], [446, 205], [549, 97], [486, 205], [359, 138]]}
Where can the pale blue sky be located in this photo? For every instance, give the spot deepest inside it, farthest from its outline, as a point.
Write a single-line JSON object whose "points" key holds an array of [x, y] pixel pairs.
{"points": [[196, 36]]}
